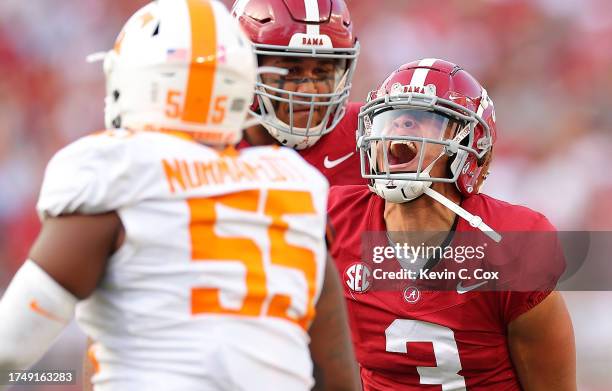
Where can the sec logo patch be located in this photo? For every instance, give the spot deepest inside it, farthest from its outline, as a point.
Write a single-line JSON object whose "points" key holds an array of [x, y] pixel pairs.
{"points": [[358, 277]]}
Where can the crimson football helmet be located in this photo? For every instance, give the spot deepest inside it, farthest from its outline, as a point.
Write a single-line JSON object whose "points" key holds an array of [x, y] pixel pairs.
{"points": [[423, 111], [320, 29]]}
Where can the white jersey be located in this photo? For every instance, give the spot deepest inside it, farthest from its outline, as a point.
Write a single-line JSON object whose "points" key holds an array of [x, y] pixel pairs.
{"points": [[223, 260]]}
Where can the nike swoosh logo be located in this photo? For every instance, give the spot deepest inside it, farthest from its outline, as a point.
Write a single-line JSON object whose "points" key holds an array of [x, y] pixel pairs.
{"points": [[464, 289], [333, 163], [41, 311]]}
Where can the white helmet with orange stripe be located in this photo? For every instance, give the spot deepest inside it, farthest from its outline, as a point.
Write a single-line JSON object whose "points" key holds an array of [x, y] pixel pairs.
{"points": [[181, 65]]}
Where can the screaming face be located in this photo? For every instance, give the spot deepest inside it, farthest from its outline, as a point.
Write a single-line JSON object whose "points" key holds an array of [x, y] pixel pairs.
{"points": [[403, 148]]}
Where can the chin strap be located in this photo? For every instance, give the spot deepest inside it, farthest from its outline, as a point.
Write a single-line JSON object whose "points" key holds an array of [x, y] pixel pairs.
{"points": [[475, 221]]}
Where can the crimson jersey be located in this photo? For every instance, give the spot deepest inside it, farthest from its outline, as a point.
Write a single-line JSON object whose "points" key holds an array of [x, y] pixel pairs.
{"points": [[411, 339], [335, 155]]}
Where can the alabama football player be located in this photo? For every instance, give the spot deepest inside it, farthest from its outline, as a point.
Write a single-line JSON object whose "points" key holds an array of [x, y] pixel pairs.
{"points": [[427, 136], [191, 266], [308, 108]]}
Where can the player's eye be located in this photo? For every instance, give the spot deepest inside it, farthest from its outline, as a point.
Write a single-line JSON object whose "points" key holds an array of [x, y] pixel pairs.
{"points": [[324, 72], [405, 124], [294, 72]]}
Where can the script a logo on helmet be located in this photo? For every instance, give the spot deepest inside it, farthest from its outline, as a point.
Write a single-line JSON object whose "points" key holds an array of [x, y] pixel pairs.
{"points": [[358, 277]]}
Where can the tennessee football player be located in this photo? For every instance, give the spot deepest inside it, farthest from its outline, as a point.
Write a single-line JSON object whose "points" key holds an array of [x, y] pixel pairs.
{"points": [[191, 266], [308, 108], [426, 139]]}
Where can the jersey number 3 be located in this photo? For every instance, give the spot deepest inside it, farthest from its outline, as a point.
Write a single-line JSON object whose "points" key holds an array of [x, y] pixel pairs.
{"points": [[404, 331], [207, 245]]}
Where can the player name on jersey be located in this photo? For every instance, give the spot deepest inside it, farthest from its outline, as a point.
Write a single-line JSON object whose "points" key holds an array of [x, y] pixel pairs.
{"points": [[184, 175]]}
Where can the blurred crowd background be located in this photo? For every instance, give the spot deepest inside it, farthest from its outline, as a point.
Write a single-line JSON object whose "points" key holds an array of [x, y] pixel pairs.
{"points": [[547, 64]]}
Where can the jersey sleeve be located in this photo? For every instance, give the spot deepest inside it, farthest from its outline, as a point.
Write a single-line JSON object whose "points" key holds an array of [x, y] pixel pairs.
{"points": [[517, 303], [333, 211], [541, 262], [88, 176]]}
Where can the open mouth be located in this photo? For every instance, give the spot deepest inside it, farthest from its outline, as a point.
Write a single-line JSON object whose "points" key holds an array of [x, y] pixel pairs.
{"points": [[401, 153]]}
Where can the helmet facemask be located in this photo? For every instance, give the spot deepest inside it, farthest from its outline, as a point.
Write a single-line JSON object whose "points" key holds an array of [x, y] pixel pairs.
{"points": [[404, 136], [298, 119]]}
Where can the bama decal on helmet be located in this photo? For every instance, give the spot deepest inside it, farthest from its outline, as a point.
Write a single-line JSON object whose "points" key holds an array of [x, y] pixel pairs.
{"points": [[397, 88], [300, 41]]}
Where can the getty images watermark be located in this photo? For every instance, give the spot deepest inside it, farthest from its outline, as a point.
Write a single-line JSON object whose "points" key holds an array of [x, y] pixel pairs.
{"points": [[420, 265], [412, 260], [462, 262]]}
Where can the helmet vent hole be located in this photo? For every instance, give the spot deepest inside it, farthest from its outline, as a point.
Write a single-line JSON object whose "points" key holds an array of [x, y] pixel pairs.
{"points": [[264, 21], [156, 31], [116, 95], [346, 23]]}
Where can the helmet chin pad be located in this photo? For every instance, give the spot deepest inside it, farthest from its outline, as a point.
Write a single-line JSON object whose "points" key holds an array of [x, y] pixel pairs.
{"points": [[290, 140], [400, 190]]}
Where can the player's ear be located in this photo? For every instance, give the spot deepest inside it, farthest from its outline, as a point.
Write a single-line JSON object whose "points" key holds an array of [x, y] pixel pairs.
{"points": [[485, 162]]}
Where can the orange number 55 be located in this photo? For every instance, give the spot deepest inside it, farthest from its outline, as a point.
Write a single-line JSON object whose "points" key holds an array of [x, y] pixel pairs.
{"points": [[173, 107], [207, 245]]}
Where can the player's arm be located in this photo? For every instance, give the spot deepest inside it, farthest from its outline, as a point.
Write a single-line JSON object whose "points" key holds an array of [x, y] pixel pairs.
{"points": [[66, 263], [542, 347], [335, 368]]}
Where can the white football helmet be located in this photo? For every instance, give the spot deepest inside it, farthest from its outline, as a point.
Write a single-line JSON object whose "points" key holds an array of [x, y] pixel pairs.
{"points": [[181, 65]]}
